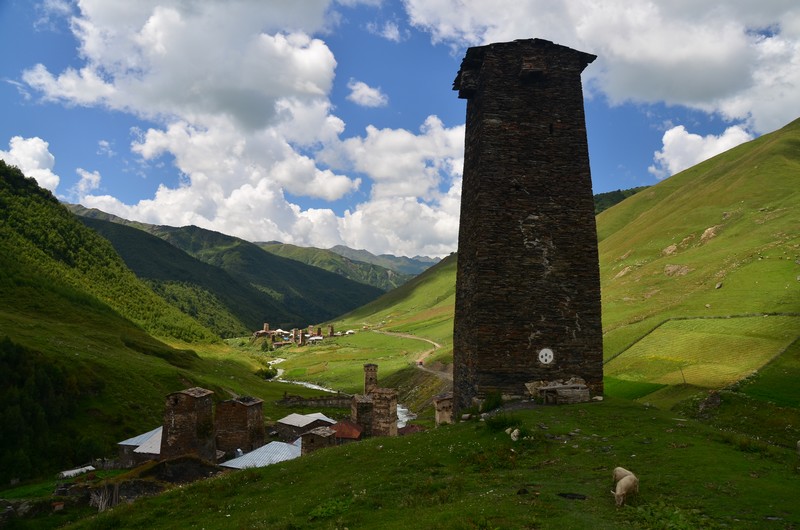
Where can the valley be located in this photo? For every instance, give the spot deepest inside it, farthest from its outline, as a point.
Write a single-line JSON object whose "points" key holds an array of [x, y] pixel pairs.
{"points": [[701, 322]]}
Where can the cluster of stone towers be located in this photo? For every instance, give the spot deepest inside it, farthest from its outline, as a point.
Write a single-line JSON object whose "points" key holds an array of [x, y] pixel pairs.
{"points": [[191, 427]]}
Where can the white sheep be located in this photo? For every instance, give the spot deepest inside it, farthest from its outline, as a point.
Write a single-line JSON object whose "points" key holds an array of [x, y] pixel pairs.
{"points": [[620, 472], [627, 485]]}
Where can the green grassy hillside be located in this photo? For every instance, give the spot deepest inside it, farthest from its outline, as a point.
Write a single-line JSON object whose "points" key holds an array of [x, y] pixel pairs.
{"points": [[79, 367], [359, 271], [719, 240]]}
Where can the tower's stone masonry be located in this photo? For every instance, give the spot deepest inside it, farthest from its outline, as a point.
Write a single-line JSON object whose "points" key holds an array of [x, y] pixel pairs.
{"points": [[189, 425], [239, 424], [528, 285]]}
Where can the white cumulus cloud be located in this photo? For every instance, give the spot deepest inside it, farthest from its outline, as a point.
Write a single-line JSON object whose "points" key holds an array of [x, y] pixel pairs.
{"points": [[740, 59], [683, 149], [32, 156], [365, 95], [89, 181]]}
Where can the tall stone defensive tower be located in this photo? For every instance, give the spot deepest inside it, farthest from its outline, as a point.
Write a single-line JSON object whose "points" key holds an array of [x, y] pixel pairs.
{"points": [[528, 284], [370, 377]]}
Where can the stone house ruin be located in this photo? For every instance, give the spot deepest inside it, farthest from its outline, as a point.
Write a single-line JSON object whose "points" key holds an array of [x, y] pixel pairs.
{"points": [[317, 438], [139, 449], [443, 405], [528, 284]]}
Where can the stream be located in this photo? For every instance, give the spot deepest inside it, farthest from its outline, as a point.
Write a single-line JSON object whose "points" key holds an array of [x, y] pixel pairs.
{"points": [[403, 414]]}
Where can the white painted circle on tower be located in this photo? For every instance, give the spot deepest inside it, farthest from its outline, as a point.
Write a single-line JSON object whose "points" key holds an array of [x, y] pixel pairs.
{"points": [[546, 356]]}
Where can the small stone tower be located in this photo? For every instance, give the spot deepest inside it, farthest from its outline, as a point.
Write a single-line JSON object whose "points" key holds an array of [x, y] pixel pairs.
{"points": [[528, 284], [189, 425], [370, 377], [384, 412]]}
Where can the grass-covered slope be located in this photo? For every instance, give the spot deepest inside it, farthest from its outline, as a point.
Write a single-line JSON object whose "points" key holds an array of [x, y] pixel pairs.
{"points": [[41, 237], [719, 240], [472, 476], [359, 271], [423, 306]]}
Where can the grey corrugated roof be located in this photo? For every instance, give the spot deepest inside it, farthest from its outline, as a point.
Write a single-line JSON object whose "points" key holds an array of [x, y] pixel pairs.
{"points": [[151, 446], [140, 439], [272, 453], [301, 420]]}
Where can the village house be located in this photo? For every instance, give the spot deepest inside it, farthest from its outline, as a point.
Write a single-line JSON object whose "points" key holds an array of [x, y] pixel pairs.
{"points": [[294, 425]]}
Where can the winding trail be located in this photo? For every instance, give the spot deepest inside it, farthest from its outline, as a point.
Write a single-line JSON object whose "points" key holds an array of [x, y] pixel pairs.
{"points": [[420, 361]]}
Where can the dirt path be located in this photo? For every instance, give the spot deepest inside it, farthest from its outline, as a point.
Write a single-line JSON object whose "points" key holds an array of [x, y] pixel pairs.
{"points": [[420, 361]]}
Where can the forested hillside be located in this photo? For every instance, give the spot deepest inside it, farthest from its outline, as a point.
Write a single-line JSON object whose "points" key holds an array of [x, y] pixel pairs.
{"points": [[286, 293], [208, 293], [40, 235]]}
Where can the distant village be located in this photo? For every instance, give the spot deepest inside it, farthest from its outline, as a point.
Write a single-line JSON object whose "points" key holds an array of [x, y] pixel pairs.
{"points": [[279, 338]]}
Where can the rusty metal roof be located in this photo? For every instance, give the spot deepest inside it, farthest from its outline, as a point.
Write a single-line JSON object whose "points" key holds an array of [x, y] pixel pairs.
{"points": [[348, 430]]}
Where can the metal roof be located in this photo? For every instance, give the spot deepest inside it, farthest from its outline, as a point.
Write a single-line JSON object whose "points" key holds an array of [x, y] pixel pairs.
{"points": [[301, 420], [272, 453], [152, 446], [140, 439]]}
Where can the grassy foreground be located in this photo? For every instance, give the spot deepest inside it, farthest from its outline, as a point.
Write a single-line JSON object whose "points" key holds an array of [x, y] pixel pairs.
{"points": [[472, 475]]}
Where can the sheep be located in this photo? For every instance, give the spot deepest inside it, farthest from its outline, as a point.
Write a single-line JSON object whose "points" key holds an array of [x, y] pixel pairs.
{"points": [[620, 472], [627, 485]]}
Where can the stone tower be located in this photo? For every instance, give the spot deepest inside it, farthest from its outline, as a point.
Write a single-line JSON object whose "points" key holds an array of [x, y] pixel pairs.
{"points": [[189, 425], [384, 412], [239, 424], [370, 377], [528, 284]]}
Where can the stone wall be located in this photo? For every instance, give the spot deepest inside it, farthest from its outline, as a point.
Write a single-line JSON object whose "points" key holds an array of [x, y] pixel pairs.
{"points": [[443, 405], [528, 286], [338, 400], [189, 425], [318, 438], [361, 413]]}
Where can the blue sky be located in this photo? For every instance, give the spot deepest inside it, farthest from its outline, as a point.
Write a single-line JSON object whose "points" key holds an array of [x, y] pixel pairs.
{"points": [[325, 122]]}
